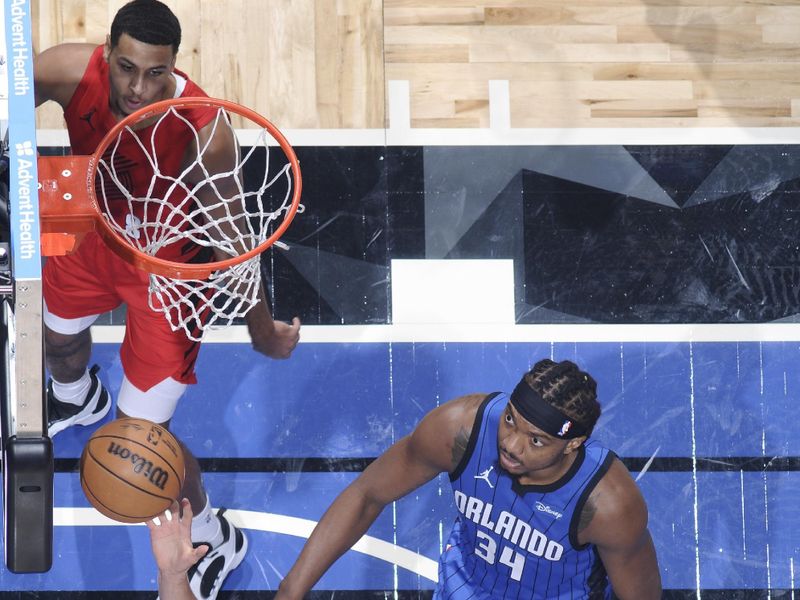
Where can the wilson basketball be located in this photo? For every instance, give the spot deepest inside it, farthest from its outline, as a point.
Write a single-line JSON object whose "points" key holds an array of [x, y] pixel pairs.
{"points": [[132, 470]]}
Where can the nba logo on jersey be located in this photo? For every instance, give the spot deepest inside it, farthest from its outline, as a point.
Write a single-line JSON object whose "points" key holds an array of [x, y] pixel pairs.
{"points": [[564, 428]]}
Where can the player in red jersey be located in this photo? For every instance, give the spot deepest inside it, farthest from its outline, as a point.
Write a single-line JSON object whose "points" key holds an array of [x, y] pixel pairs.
{"points": [[97, 86]]}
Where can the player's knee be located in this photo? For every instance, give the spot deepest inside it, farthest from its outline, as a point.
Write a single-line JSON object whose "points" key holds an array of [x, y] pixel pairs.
{"points": [[157, 404], [61, 326]]}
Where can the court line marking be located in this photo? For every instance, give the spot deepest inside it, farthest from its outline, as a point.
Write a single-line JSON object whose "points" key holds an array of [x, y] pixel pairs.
{"points": [[274, 523], [554, 136], [498, 333], [499, 104], [399, 97], [443, 291]]}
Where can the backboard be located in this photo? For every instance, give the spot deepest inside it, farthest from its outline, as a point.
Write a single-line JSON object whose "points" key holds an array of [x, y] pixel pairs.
{"points": [[27, 451]]}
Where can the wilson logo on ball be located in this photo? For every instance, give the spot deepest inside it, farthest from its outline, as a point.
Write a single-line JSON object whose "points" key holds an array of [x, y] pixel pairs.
{"points": [[156, 475]]}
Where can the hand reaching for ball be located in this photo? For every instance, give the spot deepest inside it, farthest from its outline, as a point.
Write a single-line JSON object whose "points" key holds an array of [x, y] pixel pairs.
{"points": [[171, 541]]}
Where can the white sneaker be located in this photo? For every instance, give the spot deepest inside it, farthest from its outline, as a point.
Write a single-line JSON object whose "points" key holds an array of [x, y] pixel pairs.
{"points": [[208, 575], [61, 415]]}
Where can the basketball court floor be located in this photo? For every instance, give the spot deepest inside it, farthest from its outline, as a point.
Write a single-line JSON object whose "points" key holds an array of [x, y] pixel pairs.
{"points": [[423, 271], [403, 311]]}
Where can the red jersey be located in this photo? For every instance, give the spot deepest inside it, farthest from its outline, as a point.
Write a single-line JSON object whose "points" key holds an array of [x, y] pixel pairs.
{"points": [[89, 118]]}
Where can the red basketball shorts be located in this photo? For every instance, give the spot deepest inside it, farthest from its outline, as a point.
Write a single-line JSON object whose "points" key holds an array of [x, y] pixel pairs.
{"points": [[94, 280]]}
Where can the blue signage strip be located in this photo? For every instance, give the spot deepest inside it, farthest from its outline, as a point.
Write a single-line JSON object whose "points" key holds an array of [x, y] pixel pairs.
{"points": [[23, 193]]}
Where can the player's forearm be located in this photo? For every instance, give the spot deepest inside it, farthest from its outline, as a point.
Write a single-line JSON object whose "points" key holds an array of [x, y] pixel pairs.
{"points": [[174, 587], [347, 519], [260, 324]]}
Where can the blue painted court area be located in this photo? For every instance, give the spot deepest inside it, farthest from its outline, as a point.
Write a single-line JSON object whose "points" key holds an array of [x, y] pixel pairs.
{"points": [[706, 413]]}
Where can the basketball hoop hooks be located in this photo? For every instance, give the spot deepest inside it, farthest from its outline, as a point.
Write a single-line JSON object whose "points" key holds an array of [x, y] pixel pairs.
{"points": [[171, 191]]}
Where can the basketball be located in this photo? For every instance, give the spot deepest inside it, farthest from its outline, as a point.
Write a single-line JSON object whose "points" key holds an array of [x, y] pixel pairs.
{"points": [[132, 470]]}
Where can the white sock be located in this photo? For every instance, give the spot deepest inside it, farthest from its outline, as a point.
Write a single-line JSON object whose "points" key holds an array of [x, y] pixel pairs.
{"points": [[206, 527], [75, 392]]}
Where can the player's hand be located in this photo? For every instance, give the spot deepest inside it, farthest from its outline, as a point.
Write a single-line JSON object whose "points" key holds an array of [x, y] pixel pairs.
{"points": [[282, 342], [171, 540]]}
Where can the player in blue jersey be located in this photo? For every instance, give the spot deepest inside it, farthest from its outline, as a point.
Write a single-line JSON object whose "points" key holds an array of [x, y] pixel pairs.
{"points": [[544, 512]]}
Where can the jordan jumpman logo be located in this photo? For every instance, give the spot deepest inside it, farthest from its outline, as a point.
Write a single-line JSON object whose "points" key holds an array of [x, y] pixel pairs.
{"points": [[88, 117], [485, 476]]}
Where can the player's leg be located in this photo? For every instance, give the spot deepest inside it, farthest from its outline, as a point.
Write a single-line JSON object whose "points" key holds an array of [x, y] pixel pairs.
{"points": [[159, 365], [75, 394], [225, 541], [75, 291], [158, 404], [68, 354]]}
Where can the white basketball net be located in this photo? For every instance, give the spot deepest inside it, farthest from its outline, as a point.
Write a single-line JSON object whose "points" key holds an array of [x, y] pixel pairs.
{"points": [[216, 210]]}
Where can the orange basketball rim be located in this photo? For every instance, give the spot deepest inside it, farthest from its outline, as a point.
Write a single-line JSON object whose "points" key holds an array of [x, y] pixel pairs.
{"points": [[70, 205]]}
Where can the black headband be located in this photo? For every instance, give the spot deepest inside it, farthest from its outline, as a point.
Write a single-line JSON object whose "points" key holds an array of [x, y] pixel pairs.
{"points": [[546, 417]]}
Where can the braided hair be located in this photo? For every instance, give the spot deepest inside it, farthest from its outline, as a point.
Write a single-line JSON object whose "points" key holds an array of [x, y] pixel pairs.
{"points": [[148, 21], [565, 387]]}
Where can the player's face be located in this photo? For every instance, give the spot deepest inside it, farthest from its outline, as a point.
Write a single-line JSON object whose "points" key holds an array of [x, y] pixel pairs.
{"points": [[139, 74], [529, 453]]}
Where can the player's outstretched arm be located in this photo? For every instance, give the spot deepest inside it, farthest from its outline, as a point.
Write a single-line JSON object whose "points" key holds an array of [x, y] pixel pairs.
{"points": [[615, 520], [275, 339], [407, 465], [171, 540]]}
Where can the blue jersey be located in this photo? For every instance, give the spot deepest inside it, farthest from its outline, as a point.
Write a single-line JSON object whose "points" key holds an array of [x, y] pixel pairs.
{"points": [[519, 541]]}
